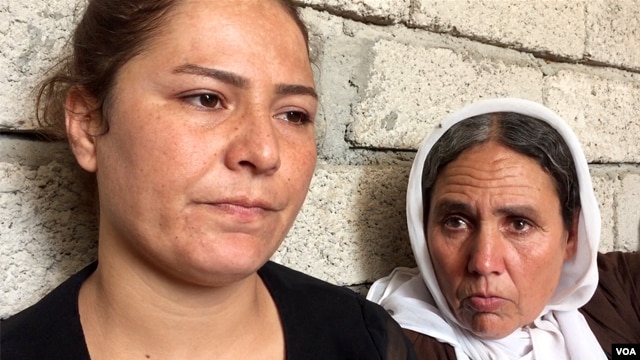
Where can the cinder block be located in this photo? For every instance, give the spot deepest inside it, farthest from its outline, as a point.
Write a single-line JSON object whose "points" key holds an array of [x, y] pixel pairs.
{"points": [[613, 32], [338, 58], [352, 227], [412, 88], [606, 184], [31, 36], [604, 112], [555, 27], [47, 222], [376, 11], [628, 213]]}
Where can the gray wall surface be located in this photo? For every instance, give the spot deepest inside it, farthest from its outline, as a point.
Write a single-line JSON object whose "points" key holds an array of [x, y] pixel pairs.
{"points": [[387, 72]]}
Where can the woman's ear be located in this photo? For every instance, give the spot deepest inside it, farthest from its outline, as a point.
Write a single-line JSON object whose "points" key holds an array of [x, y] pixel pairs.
{"points": [[572, 239], [81, 121]]}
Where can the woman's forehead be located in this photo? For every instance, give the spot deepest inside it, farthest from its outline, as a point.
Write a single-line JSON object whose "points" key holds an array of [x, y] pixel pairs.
{"points": [[492, 169]]}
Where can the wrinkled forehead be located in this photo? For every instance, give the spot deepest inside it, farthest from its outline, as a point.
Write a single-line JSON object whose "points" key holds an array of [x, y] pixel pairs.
{"points": [[510, 135]]}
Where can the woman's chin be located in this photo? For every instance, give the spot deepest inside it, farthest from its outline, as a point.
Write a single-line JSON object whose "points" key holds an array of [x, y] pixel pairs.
{"points": [[214, 270], [488, 326]]}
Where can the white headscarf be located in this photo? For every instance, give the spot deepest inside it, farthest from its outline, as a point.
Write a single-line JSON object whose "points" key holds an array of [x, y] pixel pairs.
{"points": [[413, 296]]}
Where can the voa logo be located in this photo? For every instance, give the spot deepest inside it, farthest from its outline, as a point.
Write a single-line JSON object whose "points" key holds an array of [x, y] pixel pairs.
{"points": [[626, 351]]}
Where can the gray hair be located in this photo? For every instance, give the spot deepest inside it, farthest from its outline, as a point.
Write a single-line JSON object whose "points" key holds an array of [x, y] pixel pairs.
{"points": [[521, 133]]}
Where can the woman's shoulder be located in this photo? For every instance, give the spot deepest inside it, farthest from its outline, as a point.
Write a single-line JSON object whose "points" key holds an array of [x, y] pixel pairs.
{"points": [[613, 313], [428, 347], [298, 292], [286, 279], [623, 265], [50, 328], [619, 276], [333, 321]]}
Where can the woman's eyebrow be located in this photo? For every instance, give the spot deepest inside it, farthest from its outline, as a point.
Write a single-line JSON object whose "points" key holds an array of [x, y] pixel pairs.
{"points": [[518, 211], [220, 75], [450, 206], [285, 89], [240, 81]]}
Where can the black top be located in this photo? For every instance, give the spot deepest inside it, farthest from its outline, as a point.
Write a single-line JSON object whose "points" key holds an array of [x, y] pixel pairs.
{"points": [[319, 320]]}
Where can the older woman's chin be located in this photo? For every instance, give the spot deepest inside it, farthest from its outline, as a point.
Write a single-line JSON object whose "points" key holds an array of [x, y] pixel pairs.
{"points": [[489, 326]]}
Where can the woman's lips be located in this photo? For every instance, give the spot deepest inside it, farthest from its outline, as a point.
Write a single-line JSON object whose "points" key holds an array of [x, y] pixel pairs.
{"points": [[241, 204], [480, 303], [241, 212]]}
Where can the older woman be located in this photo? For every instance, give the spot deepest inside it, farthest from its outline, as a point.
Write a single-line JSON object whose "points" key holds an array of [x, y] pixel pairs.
{"points": [[197, 118], [505, 227]]}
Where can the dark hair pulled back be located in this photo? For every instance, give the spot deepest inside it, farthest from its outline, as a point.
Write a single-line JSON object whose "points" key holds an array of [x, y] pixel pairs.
{"points": [[109, 34]]}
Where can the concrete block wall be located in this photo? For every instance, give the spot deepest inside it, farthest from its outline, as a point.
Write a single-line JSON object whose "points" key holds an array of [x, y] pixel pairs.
{"points": [[387, 72]]}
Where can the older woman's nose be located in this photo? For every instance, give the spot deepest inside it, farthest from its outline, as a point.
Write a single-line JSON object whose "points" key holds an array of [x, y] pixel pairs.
{"points": [[253, 143], [486, 254]]}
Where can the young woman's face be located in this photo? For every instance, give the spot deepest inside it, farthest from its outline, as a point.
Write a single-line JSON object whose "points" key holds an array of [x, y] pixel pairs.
{"points": [[211, 147], [497, 239]]}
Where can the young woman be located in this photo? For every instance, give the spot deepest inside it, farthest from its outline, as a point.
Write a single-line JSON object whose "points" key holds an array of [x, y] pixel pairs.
{"points": [[197, 118]]}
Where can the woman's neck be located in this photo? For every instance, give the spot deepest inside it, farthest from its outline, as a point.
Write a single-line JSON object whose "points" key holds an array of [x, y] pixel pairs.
{"points": [[129, 310]]}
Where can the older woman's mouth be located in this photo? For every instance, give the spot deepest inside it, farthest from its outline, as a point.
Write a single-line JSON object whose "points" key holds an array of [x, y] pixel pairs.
{"points": [[481, 303]]}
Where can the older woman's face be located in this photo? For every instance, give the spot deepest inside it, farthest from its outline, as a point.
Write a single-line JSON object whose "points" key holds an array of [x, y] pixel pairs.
{"points": [[210, 150], [497, 239]]}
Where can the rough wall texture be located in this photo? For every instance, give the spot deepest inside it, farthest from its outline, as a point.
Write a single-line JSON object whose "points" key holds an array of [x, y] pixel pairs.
{"points": [[387, 71]]}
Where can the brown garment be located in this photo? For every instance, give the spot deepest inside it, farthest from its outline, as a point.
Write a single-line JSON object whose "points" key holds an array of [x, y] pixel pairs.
{"points": [[613, 313], [428, 348]]}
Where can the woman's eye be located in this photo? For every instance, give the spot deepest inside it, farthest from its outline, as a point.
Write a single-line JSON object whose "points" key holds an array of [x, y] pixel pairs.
{"points": [[295, 117], [455, 223], [209, 101], [520, 225]]}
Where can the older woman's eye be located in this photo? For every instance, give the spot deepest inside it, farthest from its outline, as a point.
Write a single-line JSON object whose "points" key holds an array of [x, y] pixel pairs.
{"points": [[455, 223], [520, 225], [294, 117]]}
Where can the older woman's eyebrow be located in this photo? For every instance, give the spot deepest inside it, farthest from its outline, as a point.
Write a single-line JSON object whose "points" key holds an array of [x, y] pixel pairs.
{"points": [[220, 75], [525, 211], [451, 206]]}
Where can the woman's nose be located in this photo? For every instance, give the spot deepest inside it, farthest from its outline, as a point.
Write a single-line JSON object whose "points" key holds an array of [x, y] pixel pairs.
{"points": [[254, 143], [487, 255]]}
